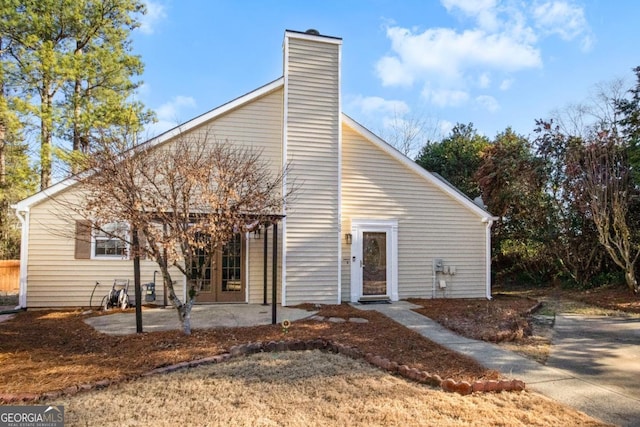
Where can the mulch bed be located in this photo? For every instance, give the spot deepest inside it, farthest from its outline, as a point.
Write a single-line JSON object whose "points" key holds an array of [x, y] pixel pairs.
{"points": [[504, 318], [43, 351]]}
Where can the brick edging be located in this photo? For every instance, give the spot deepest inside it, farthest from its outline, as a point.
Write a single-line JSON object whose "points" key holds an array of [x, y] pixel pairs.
{"points": [[413, 374]]}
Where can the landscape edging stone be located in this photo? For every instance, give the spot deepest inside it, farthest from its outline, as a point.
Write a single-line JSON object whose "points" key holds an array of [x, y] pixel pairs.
{"points": [[448, 385]]}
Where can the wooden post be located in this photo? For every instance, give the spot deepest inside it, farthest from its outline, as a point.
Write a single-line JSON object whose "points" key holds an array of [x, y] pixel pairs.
{"points": [[274, 276], [136, 278], [264, 270]]}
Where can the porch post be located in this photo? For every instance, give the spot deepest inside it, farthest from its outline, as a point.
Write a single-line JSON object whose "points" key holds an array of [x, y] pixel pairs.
{"points": [[136, 278], [274, 276], [264, 271]]}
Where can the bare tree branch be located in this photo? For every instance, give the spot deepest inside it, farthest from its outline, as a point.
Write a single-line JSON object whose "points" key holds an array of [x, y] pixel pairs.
{"points": [[188, 198], [607, 182]]}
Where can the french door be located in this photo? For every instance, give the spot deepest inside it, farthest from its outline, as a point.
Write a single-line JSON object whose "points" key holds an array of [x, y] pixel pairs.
{"points": [[222, 277]]}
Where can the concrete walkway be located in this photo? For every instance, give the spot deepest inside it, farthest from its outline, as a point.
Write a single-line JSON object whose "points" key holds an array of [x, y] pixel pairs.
{"points": [[202, 316], [601, 349], [583, 392]]}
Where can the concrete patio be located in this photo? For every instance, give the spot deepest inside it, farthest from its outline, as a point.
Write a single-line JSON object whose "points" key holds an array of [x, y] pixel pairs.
{"points": [[202, 316]]}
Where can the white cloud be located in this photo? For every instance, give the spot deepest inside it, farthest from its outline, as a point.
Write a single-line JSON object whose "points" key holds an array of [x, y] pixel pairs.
{"points": [[470, 7], [506, 84], [156, 12], [502, 39], [484, 80], [375, 104], [488, 102], [169, 114], [445, 127], [393, 72], [170, 110], [564, 19], [447, 54], [484, 11], [445, 97]]}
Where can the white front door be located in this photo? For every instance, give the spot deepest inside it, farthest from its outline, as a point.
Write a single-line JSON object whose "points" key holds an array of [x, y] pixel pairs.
{"points": [[374, 257]]}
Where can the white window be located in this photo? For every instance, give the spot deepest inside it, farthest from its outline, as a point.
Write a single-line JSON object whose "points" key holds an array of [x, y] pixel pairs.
{"points": [[110, 241]]}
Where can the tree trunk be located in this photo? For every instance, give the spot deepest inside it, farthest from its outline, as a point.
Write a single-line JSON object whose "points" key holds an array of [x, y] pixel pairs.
{"points": [[45, 142], [3, 130], [630, 277], [76, 125], [4, 201], [184, 314], [76, 106], [183, 309], [77, 134], [3, 161]]}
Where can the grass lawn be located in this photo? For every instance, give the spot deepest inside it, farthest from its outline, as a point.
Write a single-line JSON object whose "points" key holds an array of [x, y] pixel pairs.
{"points": [[309, 388], [43, 351]]}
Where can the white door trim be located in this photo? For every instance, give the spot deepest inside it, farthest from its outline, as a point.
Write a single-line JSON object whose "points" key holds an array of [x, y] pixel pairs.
{"points": [[358, 226]]}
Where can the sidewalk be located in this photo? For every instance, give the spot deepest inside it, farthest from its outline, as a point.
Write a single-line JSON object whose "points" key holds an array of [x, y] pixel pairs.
{"points": [[580, 393]]}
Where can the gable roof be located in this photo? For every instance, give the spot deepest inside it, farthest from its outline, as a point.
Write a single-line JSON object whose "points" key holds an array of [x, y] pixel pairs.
{"points": [[42, 195], [430, 177], [438, 182]]}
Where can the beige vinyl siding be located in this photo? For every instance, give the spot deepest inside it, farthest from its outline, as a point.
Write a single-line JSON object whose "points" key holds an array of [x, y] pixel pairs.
{"points": [[257, 124], [312, 138], [345, 274], [431, 224], [56, 279]]}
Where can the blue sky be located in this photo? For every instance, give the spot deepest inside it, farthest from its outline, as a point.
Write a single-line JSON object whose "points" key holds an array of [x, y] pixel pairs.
{"points": [[494, 63]]}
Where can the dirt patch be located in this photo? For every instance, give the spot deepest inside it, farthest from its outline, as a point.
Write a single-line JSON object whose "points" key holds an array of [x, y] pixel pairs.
{"points": [[8, 301]]}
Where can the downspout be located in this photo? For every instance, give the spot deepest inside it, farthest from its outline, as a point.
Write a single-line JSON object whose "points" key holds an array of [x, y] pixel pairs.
{"points": [[434, 278], [285, 127], [247, 279], [489, 222], [23, 216], [339, 299]]}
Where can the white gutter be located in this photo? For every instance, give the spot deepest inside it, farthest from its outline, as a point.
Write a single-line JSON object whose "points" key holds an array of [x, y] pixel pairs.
{"points": [[489, 222], [23, 216]]}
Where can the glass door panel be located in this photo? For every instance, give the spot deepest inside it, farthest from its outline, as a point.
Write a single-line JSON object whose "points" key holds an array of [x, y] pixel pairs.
{"points": [[232, 266], [201, 272], [374, 264], [230, 272]]}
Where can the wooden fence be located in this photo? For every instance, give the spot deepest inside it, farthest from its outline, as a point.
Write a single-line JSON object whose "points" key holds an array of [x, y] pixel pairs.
{"points": [[9, 276]]}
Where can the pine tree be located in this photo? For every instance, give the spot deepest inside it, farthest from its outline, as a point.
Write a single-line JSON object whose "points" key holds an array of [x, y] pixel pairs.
{"points": [[71, 67], [17, 178]]}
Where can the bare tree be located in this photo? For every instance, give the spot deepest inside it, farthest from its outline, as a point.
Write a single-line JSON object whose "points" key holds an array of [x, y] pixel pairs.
{"points": [[608, 186], [598, 111], [186, 199], [407, 133]]}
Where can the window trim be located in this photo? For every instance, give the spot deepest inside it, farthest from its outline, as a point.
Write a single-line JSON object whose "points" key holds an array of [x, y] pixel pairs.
{"points": [[95, 238]]}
